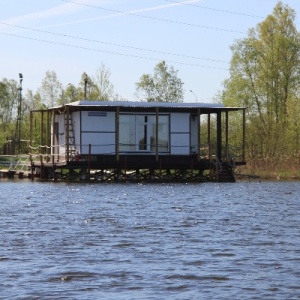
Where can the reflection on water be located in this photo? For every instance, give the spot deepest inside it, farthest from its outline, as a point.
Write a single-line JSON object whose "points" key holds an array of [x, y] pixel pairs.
{"points": [[150, 241]]}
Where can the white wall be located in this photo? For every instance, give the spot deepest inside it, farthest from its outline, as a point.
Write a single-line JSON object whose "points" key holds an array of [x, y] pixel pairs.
{"points": [[180, 133], [60, 119], [98, 121], [98, 129], [76, 129], [194, 134], [101, 143]]}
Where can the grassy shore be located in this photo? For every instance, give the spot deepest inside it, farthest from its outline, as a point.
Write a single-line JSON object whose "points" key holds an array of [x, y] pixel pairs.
{"points": [[272, 172]]}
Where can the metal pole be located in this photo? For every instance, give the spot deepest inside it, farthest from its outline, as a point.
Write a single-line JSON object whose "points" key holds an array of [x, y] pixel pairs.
{"points": [[19, 117], [85, 85]]}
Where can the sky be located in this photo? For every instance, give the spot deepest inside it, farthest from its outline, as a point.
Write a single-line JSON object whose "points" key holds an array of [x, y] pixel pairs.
{"points": [[130, 37]]}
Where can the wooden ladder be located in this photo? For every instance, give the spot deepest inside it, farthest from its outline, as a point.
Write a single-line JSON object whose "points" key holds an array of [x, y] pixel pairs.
{"points": [[69, 136]]}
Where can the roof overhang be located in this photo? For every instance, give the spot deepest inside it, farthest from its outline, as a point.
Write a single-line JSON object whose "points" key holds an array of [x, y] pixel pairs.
{"points": [[135, 106]]}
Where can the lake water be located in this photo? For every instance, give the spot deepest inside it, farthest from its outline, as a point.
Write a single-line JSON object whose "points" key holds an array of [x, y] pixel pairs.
{"points": [[150, 241]]}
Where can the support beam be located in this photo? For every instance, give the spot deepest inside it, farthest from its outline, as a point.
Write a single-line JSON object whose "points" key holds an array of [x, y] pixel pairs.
{"points": [[208, 137], [31, 136], [42, 134], [226, 135], [244, 134], [48, 142], [117, 133], [199, 132], [219, 135], [52, 151], [156, 134], [67, 121]]}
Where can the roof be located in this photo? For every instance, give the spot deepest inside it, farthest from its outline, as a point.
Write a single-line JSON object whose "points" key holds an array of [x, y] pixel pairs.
{"points": [[144, 104], [135, 106]]}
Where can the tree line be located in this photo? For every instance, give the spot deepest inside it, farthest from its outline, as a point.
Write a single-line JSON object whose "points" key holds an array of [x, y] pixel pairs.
{"points": [[265, 78]]}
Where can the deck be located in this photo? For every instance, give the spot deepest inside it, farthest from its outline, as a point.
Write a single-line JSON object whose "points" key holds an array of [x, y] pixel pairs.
{"points": [[136, 168]]}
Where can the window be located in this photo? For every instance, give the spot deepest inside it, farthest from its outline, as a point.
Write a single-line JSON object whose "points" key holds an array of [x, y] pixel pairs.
{"points": [[138, 133]]}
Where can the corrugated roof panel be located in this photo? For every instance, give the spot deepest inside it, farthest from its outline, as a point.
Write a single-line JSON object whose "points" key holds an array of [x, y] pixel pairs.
{"points": [[145, 104]]}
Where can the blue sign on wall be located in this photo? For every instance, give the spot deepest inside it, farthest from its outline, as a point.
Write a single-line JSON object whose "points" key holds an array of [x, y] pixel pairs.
{"points": [[97, 114]]}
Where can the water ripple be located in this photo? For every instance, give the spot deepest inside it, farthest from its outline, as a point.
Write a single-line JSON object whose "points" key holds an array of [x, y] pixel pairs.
{"points": [[150, 241]]}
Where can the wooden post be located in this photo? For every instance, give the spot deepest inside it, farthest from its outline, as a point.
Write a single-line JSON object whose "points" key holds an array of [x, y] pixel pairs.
{"points": [[41, 145], [30, 138], [199, 132], [226, 135], [156, 133], [219, 135], [125, 167], [67, 120], [117, 146], [244, 132], [42, 135], [89, 163], [52, 142], [48, 142], [208, 136], [30, 144], [52, 150]]}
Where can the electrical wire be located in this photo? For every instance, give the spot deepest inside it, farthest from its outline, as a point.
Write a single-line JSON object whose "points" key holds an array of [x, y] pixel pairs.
{"points": [[110, 52], [215, 9], [154, 18], [110, 44]]}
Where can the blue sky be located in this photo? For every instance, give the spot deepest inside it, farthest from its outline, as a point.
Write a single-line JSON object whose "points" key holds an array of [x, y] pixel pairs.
{"points": [[130, 37]]}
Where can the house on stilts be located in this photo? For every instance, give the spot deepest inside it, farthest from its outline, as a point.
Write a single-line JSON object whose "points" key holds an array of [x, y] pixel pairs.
{"points": [[137, 141]]}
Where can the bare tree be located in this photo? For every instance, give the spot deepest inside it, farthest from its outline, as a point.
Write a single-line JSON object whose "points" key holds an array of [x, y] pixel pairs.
{"points": [[102, 83]]}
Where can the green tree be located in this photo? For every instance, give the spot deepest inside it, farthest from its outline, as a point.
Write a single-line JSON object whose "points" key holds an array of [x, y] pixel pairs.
{"points": [[163, 86], [87, 89], [31, 101], [9, 93], [69, 94], [4, 104], [264, 77], [98, 87], [8, 100], [51, 89]]}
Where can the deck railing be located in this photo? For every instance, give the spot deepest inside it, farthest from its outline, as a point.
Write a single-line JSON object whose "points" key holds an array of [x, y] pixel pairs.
{"points": [[14, 162], [57, 153]]}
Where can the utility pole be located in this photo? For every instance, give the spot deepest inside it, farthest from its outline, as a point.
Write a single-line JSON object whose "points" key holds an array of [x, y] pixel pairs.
{"points": [[86, 78], [19, 117]]}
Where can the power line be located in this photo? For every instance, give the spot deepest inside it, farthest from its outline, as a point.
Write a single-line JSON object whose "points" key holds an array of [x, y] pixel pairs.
{"points": [[219, 10], [154, 18], [215, 9], [112, 44], [110, 52]]}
